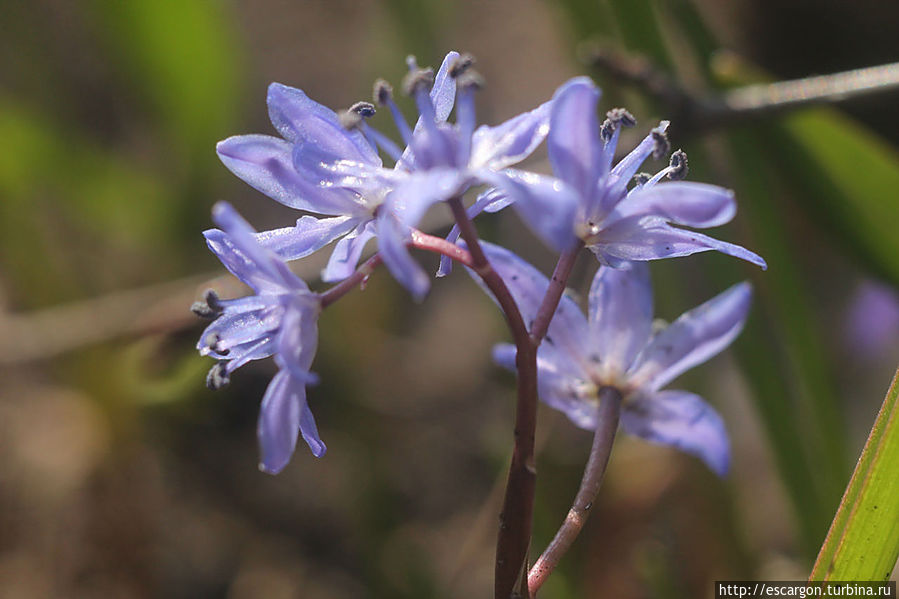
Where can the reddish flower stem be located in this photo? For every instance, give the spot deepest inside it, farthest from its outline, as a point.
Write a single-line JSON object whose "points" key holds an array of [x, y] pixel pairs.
{"points": [[606, 426], [421, 241], [516, 516], [554, 292]]}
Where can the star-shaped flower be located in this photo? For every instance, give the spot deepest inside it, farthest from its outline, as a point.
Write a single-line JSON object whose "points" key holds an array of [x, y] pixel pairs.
{"points": [[280, 320], [589, 197], [615, 346], [328, 164]]}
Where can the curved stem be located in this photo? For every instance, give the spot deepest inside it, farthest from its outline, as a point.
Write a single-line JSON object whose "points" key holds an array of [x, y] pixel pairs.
{"points": [[554, 293], [420, 241], [606, 426], [516, 517]]}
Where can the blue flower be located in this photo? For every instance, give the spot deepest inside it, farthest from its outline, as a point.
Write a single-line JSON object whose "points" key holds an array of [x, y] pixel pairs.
{"points": [[616, 346], [328, 164], [589, 198], [280, 320]]}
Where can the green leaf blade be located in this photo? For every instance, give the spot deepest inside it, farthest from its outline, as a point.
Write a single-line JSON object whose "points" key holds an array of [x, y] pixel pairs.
{"points": [[863, 541]]}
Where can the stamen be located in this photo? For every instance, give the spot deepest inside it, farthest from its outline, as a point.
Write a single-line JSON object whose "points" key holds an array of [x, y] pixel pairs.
{"points": [[460, 65], [382, 141], [383, 95], [678, 167], [606, 130], [209, 308], [662, 145], [621, 117], [466, 84], [642, 178], [418, 83], [212, 341], [470, 79], [218, 376], [352, 117], [349, 120], [615, 119], [364, 109], [417, 79]]}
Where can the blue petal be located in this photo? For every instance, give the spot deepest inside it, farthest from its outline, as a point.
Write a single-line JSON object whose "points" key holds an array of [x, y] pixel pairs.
{"points": [[620, 315], [443, 94], [247, 352], [650, 238], [279, 422], [512, 141], [492, 200], [573, 143], [301, 120], [693, 338], [241, 254], [421, 189], [347, 252], [310, 432], [392, 237], [697, 205], [547, 205], [559, 386], [266, 164], [309, 235], [239, 328], [298, 337], [567, 330], [504, 355], [682, 420]]}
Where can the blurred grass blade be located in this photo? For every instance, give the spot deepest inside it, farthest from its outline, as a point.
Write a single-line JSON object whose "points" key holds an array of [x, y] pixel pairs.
{"points": [[848, 175], [813, 437], [640, 30], [183, 56], [853, 175], [863, 541]]}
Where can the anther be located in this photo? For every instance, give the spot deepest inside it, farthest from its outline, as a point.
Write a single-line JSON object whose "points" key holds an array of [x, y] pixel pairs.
{"points": [[606, 130], [678, 166], [470, 79], [615, 118], [621, 117], [382, 92], [354, 115], [212, 341], [210, 307], [364, 109], [460, 65], [662, 145], [642, 178], [418, 78], [218, 376]]}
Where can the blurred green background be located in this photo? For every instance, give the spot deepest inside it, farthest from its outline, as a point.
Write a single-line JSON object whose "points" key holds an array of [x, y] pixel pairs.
{"points": [[122, 476]]}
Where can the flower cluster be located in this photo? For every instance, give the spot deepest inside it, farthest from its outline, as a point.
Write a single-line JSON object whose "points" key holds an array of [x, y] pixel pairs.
{"points": [[330, 166]]}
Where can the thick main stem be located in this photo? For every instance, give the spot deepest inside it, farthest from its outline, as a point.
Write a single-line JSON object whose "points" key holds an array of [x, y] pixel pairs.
{"points": [[516, 517], [606, 425]]}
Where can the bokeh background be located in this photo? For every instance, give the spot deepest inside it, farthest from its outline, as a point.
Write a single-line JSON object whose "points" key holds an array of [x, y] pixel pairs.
{"points": [[121, 475]]}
